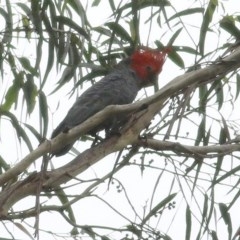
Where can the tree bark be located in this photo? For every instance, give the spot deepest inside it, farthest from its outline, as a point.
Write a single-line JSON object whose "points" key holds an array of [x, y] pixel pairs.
{"points": [[142, 114]]}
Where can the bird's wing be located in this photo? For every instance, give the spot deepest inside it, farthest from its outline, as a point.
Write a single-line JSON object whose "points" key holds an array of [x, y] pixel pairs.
{"points": [[104, 93]]}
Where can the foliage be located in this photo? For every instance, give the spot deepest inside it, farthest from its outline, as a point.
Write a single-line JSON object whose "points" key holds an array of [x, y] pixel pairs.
{"points": [[184, 167]]}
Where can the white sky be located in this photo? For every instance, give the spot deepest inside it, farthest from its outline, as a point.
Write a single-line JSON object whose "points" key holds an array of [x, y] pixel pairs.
{"points": [[139, 188]]}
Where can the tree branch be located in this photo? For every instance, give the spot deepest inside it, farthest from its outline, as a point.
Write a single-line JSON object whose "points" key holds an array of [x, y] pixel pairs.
{"points": [[129, 135], [199, 151]]}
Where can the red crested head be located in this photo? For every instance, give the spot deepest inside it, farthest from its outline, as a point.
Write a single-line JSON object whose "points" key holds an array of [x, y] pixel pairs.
{"points": [[147, 63]]}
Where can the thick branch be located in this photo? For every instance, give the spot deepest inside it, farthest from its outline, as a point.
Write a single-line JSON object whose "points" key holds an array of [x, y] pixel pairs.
{"points": [[229, 63], [204, 151], [53, 179], [129, 135]]}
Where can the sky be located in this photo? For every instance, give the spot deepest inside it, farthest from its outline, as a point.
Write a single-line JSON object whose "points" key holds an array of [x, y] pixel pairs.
{"points": [[131, 176]]}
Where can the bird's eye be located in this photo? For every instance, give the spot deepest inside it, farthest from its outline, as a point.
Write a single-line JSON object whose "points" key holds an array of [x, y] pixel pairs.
{"points": [[149, 68]]}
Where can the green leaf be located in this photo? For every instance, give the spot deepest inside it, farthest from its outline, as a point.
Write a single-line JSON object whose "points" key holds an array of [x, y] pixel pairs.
{"points": [[105, 238], [10, 97], [67, 74], [43, 108], [102, 31], [91, 75], [219, 94], [211, 211], [78, 8], [26, 26], [188, 223], [37, 135], [19, 130], [134, 24], [70, 23], [120, 31], [236, 196], [30, 93], [201, 132], [2, 58], [228, 174], [226, 217], [207, 137], [52, 34], [27, 65], [135, 230], [203, 91], [64, 44], [159, 206], [23, 229], [35, 7], [228, 24], [237, 85], [7, 35], [214, 235], [145, 4], [203, 216], [174, 37], [13, 91], [68, 208], [112, 5], [88, 230], [199, 164], [3, 164], [50, 61], [9, 23], [53, 14], [39, 50], [186, 12], [207, 18], [224, 133], [11, 61], [25, 8], [74, 56], [25, 21], [222, 140], [218, 87], [172, 55], [176, 58], [96, 3]]}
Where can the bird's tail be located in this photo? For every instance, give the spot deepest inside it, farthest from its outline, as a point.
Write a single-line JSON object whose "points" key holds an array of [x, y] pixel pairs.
{"points": [[61, 128]]}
